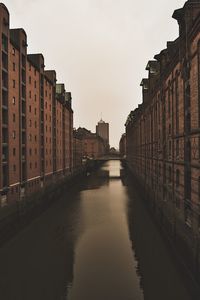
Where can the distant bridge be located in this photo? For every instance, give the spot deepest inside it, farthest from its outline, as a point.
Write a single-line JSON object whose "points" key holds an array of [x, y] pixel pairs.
{"points": [[109, 157]]}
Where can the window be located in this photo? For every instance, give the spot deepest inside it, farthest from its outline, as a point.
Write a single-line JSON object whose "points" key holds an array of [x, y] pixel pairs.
{"points": [[14, 151], [35, 111], [14, 118], [177, 178], [177, 148], [14, 134], [35, 98], [30, 137], [35, 124], [30, 123], [13, 51], [170, 174], [35, 138], [170, 148], [13, 83], [13, 100], [169, 129], [29, 108]]}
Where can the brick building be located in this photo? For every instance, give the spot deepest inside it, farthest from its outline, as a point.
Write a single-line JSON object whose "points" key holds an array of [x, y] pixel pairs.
{"points": [[122, 145], [163, 133], [93, 145], [36, 123], [77, 151]]}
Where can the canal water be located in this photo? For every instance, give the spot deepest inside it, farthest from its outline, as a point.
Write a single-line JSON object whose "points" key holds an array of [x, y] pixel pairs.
{"points": [[97, 242]]}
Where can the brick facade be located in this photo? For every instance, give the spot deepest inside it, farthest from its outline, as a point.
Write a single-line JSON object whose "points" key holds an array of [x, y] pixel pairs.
{"points": [[93, 146], [163, 133], [122, 145], [36, 124]]}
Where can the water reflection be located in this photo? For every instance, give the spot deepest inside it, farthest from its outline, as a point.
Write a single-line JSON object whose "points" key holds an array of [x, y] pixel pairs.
{"points": [[96, 243], [159, 276], [105, 267], [95, 181]]}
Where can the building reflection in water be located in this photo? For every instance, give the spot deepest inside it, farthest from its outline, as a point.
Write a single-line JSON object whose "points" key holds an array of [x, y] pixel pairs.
{"points": [[97, 241], [104, 264], [158, 273]]}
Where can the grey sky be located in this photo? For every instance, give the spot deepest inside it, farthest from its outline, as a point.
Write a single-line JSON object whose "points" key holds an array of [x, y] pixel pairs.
{"points": [[99, 49]]}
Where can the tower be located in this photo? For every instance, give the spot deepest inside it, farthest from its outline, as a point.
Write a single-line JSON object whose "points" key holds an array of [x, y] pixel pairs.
{"points": [[102, 129]]}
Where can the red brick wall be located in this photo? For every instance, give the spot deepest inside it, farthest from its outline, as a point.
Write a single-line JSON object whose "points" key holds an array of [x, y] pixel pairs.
{"points": [[33, 121], [48, 130], [59, 137], [14, 104]]}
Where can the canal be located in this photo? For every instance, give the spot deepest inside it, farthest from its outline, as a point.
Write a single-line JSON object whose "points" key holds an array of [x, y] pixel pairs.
{"points": [[96, 242]]}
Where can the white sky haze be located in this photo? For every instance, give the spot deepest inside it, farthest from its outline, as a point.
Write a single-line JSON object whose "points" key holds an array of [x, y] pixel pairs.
{"points": [[99, 49]]}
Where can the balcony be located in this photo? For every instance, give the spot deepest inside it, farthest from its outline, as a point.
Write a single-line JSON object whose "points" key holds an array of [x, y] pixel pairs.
{"points": [[4, 61], [23, 154], [23, 108], [23, 61], [4, 99], [4, 136], [23, 76], [23, 138], [5, 176], [42, 104], [23, 171], [23, 123], [4, 43], [5, 155], [5, 117], [4, 80], [23, 92]]}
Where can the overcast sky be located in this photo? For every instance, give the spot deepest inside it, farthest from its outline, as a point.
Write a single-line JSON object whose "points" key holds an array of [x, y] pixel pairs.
{"points": [[99, 49]]}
